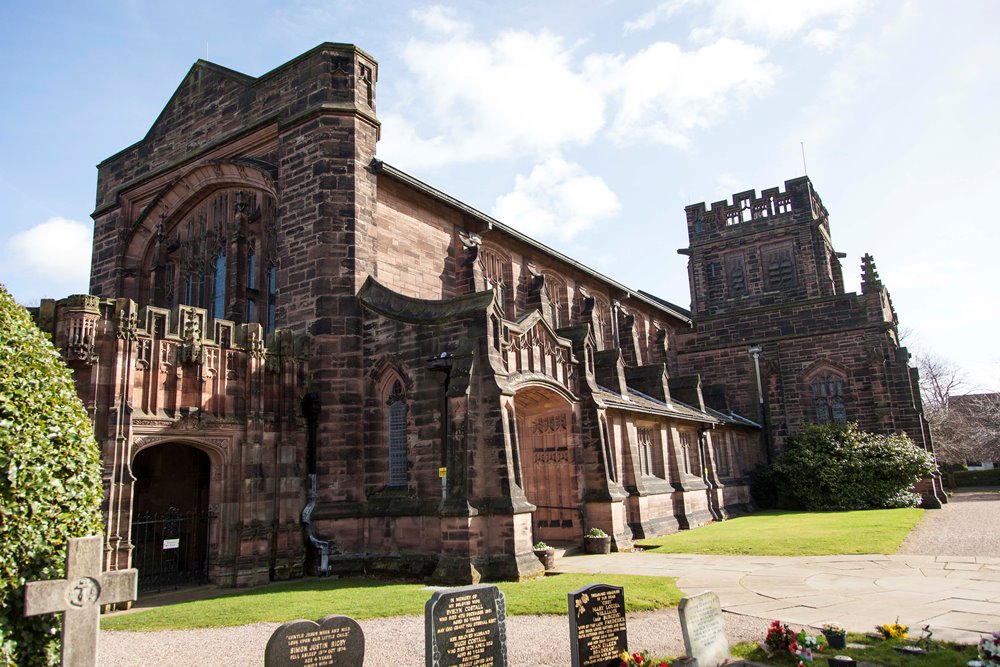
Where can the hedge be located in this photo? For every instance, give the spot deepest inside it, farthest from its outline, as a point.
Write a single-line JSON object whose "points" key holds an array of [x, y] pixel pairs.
{"points": [[50, 480], [976, 477]]}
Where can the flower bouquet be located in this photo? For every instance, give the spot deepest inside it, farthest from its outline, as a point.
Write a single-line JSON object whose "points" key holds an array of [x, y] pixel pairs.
{"points": [[836, 635], [641, 659], [892, 630], [989, 650]]}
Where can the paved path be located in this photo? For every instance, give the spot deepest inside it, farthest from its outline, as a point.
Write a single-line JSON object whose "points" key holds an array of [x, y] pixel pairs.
{"points": [[958, 595], [969, 525]]}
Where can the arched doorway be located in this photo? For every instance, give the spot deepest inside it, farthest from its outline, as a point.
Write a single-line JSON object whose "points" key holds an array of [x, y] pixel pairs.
{"points": [[549, 447], [170, 516]]}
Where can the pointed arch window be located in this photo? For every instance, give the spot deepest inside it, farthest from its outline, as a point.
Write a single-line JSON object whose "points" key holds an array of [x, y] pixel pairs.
{"points": [[828, 397], [397, 435]]}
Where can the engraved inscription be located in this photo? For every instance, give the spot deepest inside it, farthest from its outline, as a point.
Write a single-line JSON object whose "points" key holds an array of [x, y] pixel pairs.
{"points": [[82, 592], [597, 626]]}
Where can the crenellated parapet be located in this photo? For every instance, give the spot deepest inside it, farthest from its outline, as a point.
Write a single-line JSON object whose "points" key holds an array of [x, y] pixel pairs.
{"points": [[176, 360], [799, 202], [760, 251]]}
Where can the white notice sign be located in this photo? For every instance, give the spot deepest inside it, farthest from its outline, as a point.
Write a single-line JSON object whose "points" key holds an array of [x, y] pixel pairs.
{"points": [[173, 543]]}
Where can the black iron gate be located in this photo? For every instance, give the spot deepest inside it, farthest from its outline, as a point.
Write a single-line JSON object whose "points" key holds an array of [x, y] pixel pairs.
{"points": [[170, 549]]}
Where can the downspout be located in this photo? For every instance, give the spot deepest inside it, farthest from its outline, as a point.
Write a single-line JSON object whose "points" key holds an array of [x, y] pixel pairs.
{"points": [[310, 410], [755, 351]]}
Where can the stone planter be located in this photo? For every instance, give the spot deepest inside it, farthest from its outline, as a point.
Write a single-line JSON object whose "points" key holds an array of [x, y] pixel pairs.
{"points": [[547, 556], [597, 545]]}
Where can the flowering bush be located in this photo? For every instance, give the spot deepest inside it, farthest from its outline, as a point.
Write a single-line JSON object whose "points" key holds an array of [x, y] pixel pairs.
{"points": [[893, 630], [596, 532], [779, 637], [641, 659], [989, 650]]}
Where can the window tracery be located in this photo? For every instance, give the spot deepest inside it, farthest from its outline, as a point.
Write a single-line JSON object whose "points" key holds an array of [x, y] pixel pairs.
{"points": [[828, 398], [396, 401], [217, 255], [496, 271]]}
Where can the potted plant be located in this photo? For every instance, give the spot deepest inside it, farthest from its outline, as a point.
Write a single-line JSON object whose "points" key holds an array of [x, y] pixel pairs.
{"points": [[836, 636], [546, 554], [597, 542]]}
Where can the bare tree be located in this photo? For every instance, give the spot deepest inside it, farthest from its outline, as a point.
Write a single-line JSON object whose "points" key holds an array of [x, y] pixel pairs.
{"points": [[940, 379], [966, 427]]}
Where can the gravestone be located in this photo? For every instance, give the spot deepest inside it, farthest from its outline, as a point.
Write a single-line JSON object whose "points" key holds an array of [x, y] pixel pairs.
{"points": [[703, 629], [79, 598], [466, 627], [597, 634], [335, 641]]}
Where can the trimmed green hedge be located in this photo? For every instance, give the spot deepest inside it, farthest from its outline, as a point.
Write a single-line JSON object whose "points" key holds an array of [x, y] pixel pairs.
{"points": [[977, 477], [50, 480], [839, 467]]}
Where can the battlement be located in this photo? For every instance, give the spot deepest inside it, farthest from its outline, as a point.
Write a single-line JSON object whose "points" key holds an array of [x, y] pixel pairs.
{"points": [[79, 321], [799, 201]]}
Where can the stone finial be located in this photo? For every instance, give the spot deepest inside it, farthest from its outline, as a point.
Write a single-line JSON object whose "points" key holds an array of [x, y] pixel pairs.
{"points": [[869, 275]]}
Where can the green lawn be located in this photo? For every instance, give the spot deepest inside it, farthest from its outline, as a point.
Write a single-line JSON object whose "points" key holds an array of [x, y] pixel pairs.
{"points": [[781, 533], [369, 598]]}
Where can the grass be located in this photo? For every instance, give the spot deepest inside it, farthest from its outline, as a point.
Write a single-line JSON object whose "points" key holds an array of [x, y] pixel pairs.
{"points": [[368, 598], [783, 533], [939, 654]]}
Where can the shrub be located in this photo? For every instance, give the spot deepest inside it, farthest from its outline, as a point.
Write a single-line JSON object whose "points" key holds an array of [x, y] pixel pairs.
{"points": [[977, 477], [50, 480], [839, 467]]}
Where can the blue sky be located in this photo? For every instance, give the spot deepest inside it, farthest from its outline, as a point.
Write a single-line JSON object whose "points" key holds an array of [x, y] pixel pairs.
{"points": [[589, 125]]}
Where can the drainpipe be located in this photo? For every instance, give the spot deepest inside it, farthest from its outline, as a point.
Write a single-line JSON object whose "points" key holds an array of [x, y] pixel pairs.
{"points": [[310, 410], [755, 351]]}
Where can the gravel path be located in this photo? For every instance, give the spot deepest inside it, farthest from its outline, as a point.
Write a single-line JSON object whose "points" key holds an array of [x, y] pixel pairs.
{"points": [[969, 525], [535, 641]]}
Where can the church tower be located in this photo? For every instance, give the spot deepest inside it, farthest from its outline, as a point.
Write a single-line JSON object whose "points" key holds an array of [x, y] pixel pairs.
{"points": [[775, 336]]}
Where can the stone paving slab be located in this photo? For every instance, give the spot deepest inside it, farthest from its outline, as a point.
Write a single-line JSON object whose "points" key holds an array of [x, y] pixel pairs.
{"points": [[850, 590]]}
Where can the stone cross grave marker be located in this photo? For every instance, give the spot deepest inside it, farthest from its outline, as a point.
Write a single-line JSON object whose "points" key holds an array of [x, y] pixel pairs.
{"points": [[597, 633], [335, 641], [466, 627], [703, 629], [79, 598]]}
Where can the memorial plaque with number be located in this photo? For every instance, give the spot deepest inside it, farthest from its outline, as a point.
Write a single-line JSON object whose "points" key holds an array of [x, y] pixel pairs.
{"points": [[336, 641], [466, 627], [703, 629], [597, 634]]}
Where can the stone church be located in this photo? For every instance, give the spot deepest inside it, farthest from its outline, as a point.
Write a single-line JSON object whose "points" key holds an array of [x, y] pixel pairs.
{"points": [[301, 359]]}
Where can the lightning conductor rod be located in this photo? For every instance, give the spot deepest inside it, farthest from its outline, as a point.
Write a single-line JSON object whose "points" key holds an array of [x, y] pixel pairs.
{"points": [[802, 145]]}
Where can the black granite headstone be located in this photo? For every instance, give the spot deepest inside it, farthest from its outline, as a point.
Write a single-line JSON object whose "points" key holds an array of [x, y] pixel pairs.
{"points": [[336, 641], [597, 635], [466, 627]]}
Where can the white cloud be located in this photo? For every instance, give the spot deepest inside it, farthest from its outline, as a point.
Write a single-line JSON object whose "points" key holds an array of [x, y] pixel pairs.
{"points": [[558, 199], [767, 19], [529, 94], [515, 95], [49, 259], [822, 39], [656, 15], [440, 19], [665, 92]]}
